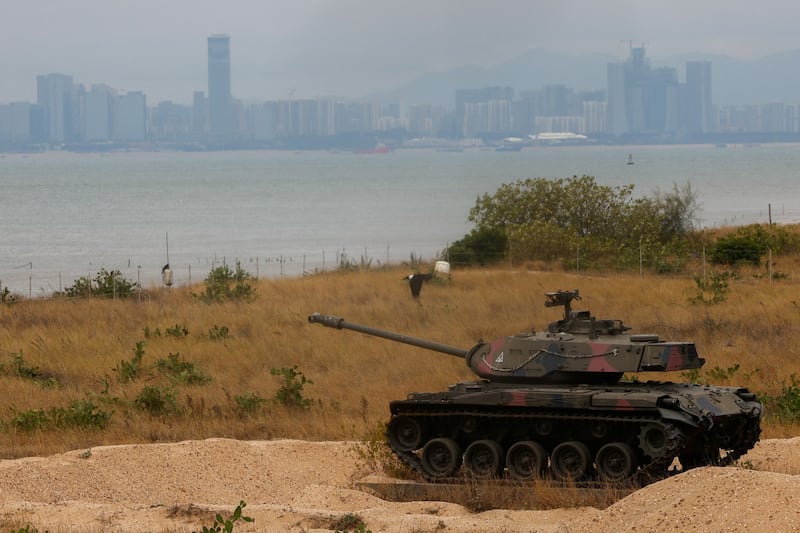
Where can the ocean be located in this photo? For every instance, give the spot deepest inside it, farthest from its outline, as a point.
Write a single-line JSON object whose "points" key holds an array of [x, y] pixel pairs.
{"points": [[66, 215]]}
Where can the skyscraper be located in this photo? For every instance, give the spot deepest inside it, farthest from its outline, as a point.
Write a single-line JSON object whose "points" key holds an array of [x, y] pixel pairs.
{"points": [[700, 114], [219, 86], [54, 95]]}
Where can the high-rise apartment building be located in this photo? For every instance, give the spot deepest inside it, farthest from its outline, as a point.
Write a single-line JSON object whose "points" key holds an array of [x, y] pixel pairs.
{"points": [[641, 99], [699, 113], [219, 87], [130, 124], [54, 94]]}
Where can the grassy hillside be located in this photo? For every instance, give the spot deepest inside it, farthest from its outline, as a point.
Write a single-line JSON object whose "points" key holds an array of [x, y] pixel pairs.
{"points": [[71, 377]]}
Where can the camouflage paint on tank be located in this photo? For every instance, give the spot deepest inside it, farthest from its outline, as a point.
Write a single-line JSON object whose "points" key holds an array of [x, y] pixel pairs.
{"points": [[562, 388]]}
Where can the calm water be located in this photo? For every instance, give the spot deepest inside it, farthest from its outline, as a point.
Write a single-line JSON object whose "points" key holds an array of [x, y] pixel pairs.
{"points": [[68, 215]]}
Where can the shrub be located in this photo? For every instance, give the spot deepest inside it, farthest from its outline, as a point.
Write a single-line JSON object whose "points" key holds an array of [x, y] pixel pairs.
{"points": [[157, 401], [290, 392], [218, 333], [223, 284], [482, 246], [106, 284], [181, 371], [712, 291], [128, 371], [177, 331], [79, 414], [248, 404]]}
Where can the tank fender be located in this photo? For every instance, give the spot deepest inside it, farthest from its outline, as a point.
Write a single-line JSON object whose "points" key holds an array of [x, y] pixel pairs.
{"points": [[678, 416], [672, 408]]}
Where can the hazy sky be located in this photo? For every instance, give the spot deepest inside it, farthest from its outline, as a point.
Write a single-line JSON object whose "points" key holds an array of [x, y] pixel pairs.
{"points": [[352, 47]]}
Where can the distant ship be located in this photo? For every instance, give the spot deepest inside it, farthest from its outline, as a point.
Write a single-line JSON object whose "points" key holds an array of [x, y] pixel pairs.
{"points": [[510, 144], [379, 148]]}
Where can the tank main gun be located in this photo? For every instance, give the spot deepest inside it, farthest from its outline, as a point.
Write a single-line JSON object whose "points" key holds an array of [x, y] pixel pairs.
{"points": [[577, 349], [332, 321]]}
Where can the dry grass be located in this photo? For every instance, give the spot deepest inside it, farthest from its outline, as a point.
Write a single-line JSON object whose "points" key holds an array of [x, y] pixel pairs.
{"points": [[354, 376]]}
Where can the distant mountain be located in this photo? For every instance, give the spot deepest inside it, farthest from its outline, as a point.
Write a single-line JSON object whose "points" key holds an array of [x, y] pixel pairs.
{"points": [[772, 78]]}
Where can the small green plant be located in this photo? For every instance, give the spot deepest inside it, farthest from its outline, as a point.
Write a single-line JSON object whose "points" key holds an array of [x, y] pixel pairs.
{"points": [[785, 407], [349, 522], [692, 375], [150, 334], [219, 333], [224, 283], [248, 404], [181, 371], [220, 524], [128, 371], [177, 331], [30, 420], [106, 284], [374, 454], [157, 401], [290, 392], [712, 291], [720, 374], [20, 368], [79, 414], [25, 529]]}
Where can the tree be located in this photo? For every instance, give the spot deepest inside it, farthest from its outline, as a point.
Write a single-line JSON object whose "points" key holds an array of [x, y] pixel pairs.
{"points": [[549, 218]]}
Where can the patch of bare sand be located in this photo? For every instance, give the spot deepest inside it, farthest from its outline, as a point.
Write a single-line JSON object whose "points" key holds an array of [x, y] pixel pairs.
{"points": [[306, 486]]}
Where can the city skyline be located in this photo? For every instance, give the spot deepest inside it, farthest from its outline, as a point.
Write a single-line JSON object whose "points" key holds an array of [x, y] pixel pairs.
{"points": [[315, 48]]}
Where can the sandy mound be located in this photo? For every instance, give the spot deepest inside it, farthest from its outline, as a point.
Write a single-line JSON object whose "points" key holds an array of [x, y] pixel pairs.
{"points": [[307, 486]]}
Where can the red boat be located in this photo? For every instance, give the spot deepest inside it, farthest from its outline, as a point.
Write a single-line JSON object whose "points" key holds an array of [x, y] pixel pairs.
{"points": [[380, 148]]}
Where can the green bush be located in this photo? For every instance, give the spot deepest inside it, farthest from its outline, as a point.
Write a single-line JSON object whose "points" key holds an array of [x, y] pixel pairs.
{"points": [[79, 414], [248, 404], [224, 283], [482, 246], [128, 371], [106, 284], [157, 401], [290, 392], [181, 371]]}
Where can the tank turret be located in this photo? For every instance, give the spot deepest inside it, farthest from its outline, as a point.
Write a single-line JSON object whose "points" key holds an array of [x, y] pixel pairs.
{"points": [[576, 349], [551, 403]]}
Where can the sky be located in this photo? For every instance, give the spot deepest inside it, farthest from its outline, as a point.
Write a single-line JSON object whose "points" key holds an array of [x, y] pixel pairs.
{"points": [[351, 48]]}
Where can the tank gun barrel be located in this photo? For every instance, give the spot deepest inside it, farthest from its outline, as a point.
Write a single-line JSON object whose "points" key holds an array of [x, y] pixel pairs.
{"points": [[336, 322]]}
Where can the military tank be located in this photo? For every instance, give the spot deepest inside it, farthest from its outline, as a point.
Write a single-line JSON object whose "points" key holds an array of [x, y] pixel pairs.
{"points": [[552, 404]]}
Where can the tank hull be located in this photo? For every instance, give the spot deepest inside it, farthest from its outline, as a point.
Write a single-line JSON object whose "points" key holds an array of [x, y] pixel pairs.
{"points": [[628, 431]]}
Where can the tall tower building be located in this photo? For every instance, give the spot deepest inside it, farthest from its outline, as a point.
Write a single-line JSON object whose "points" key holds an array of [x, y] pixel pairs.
{"points": [[700, 114], [219, 86], [54, 95]]}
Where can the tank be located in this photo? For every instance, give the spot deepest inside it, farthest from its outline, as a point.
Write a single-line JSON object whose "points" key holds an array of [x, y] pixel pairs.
{"points": [[552, 403]]}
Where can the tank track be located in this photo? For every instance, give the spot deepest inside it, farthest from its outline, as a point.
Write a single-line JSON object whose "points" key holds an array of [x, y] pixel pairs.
{"points": [[658, 468]]}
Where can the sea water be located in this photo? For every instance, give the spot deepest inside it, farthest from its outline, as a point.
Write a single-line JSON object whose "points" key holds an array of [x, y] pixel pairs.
{"points": [[66, 215]]}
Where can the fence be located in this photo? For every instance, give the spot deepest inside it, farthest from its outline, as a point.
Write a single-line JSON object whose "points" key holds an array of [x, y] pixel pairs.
{"points": [[32, 282]]}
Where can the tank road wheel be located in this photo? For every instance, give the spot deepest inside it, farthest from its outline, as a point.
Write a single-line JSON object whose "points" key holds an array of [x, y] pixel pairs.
{"points": [[570, 460], [653, 440], [614, 462], [441, 458], [526, 459], [483, 459], [404, 433]]}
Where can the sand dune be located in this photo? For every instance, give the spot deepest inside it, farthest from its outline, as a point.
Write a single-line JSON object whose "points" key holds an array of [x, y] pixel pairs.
{"points": [[298, 486]]}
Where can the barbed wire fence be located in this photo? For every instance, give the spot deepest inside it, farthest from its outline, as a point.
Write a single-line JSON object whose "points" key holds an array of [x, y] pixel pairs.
{"points": [[45, 283], [37, 282]]}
